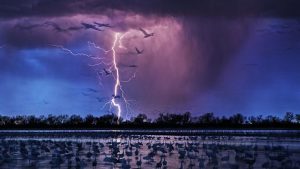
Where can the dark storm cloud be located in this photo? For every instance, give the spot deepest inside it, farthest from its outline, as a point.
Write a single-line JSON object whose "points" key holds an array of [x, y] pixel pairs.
{"points": [[196, 42], [205, 47], [230, 8]]}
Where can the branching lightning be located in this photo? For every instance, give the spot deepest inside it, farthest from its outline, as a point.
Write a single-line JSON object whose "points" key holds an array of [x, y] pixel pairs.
{"points": [[117, 83], [111, 68]]}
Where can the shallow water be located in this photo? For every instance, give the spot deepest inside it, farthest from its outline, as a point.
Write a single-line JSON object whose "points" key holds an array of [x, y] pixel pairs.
{"points": [[146, 149]]}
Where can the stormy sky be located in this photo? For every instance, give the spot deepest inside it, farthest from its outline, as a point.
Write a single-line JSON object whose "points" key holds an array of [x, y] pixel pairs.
{"points": [[205, 56]]}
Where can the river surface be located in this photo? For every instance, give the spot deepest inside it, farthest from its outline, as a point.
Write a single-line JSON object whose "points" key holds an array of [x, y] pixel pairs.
{"points": [[163, 149]]}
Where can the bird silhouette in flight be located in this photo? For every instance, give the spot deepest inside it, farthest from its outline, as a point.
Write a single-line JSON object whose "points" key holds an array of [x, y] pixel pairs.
{"points": [[90, 26], [133, 66], [107, 72], [138, 51], [102, 24], [116, 96], [146, 34]]}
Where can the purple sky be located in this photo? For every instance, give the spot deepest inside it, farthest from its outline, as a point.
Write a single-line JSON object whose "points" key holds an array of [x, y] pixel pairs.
{"points": [[203, 57]]}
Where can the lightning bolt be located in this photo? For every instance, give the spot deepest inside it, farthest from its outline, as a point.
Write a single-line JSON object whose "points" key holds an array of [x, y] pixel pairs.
{"points": [[118, 91], [117, 82]]}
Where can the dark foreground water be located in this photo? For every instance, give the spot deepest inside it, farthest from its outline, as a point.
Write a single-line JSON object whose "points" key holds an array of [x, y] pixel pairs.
{"points": [[223, 149]]}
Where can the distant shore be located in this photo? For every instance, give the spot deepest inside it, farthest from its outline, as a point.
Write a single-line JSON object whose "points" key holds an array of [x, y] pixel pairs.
{"points": [[187, 132]]}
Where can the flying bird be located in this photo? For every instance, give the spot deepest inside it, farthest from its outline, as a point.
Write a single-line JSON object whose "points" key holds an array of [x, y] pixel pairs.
{"points": [[146, 34], [75, 28], [126, 65], [138, 51], [106, 72], [116, 96], [92, 90], [133, 66], [56, 27], [102, 24], [90, 26]]}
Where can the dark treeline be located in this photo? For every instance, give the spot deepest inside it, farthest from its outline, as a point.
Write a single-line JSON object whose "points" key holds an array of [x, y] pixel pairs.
{"points": [[141, 121]]}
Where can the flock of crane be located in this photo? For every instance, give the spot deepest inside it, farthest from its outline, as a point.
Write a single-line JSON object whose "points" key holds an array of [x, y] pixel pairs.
{"points": [[145, 151]]}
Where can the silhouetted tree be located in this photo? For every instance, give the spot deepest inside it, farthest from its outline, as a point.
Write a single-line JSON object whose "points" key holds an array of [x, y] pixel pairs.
{"points": [[164, 120], [5, 120], [297, 118], [272, 120], [289, 117], [50, 120], [237, 119], [207, 118], [140, 119], [224, 121], [32, 120], [186, 118], [90, 120], [76, 120], [61, 119], [108, 120], [20, 120]]}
